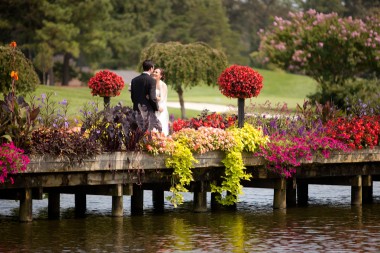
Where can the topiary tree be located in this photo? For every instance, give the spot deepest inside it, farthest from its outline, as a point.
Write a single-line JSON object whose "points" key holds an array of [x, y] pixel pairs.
{"points": [[186, 65], [330, 49], [12, 59]]}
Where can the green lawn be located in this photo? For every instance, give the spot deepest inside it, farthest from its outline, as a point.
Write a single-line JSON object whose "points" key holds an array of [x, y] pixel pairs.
{"points": [[279, 87]]}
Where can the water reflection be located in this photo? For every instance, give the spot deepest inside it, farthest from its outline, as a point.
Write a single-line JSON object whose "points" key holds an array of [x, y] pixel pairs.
{"points": [[328, 224]]}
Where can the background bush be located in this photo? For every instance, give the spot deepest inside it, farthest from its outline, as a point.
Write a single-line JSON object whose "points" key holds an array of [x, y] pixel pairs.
{"points": [[13, 59]]}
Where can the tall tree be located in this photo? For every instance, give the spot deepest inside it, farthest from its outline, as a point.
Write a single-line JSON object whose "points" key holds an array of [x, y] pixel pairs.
{"points": [[186, 65], [247, 17], [19, 20], [71, 27], [135, 25], [201, 21]]}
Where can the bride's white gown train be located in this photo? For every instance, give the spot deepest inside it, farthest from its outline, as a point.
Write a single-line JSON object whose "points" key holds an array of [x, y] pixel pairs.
{"points": [[163, 116]]}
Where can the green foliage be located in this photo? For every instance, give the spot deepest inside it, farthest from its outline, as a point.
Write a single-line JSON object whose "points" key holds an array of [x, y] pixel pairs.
{"points": [[186, 65], [71, 29], [329, 49], [246, 18], [115, 128], [247, 139], [14, 60], [17, 120], [181, 161], [181, 146], [52, 113], [366, 91]]}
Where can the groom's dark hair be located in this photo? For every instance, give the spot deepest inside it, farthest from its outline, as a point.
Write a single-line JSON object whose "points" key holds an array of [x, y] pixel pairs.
{"points": [[147, 65]]}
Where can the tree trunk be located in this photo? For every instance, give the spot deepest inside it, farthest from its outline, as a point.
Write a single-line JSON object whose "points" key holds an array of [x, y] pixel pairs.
{"points": [[51, 77], [181, 102], [240, 112], [44, 74], [65, 69]]}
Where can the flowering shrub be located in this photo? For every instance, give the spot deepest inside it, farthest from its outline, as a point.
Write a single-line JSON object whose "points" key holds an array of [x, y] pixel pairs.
{"points": [[106, 83], [214, 120], [240, 82], [357, 133], [295, 136], [16, 68], [12, 161], [182, 144], [284, 153], [330, 49], [205, 139], [157, 143]]}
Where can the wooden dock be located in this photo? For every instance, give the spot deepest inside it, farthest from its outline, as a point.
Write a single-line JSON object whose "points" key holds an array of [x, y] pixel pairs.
{"points": [[130, 173]]}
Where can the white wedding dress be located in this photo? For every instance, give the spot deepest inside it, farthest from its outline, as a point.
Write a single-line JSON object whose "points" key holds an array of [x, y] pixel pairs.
{"points": [[163, 116]]}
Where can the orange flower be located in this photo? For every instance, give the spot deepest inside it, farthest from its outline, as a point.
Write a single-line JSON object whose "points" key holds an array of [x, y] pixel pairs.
{"points": [[14, 75], [13, 44]]}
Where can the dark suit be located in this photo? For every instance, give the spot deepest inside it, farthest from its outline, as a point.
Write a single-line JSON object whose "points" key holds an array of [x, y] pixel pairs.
{"points": [[143, 95], [143, 92]]}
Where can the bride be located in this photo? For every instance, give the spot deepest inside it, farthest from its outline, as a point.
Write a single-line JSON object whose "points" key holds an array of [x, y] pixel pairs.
{"points": [[162, 97]]}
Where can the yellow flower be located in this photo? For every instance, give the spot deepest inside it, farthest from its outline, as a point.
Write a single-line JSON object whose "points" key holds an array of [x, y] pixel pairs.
{"points": [[14, 75]]}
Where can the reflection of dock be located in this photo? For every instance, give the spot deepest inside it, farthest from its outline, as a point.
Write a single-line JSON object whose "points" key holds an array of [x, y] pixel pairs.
{"points": [[130, 173]]}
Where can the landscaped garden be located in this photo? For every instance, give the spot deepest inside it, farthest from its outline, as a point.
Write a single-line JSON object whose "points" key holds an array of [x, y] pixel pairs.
{"points": [[282, 137]]}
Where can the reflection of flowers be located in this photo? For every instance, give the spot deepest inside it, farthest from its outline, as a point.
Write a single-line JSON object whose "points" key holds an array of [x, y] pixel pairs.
{"points": [[106, 83], [240, 82]]}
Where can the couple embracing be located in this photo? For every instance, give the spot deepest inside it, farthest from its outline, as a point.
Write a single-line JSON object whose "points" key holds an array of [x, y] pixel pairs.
{"points": [[149, 96]]}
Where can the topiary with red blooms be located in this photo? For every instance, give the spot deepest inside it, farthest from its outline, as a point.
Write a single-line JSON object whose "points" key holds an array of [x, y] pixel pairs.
{"points": [[106, 84], [240, 82]]}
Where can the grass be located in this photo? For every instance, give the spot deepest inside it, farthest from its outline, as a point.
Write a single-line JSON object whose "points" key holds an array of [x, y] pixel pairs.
{"points": [[279, 87]]}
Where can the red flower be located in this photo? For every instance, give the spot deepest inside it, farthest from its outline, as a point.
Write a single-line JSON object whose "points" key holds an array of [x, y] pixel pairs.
{"points": [[106, 83], [13, 44], [240, 82]]}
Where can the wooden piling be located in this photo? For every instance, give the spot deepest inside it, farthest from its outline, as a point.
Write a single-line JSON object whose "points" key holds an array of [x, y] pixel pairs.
{"points": [[356, 190], [80, 204], [26, 206], [200, 198], [302, 194], [158, 198], [291, 192], [367, 189], [137, 200], [117, 201], [279, 199], [54, 199]]}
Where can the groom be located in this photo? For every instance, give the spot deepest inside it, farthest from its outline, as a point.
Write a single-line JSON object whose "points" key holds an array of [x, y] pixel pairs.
{"points": [[143, 95]]}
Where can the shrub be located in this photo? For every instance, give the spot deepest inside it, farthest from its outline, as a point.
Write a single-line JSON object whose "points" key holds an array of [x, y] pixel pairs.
{"points": [[12, 161], [116, 128], [12, 59], [206, 119], [330, 49], [66, 143], [357, 132], [17, 120]]}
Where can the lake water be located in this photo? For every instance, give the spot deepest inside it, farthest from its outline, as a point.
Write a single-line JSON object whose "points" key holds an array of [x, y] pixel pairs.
{"points": [[328, 224]]}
